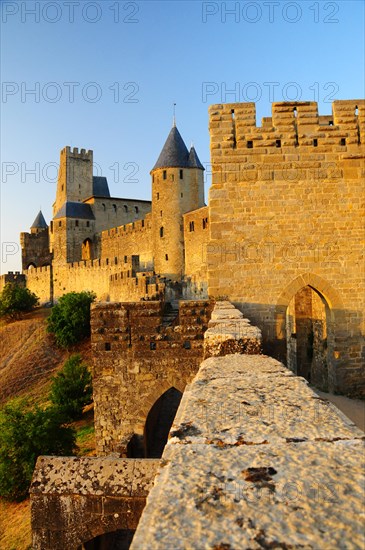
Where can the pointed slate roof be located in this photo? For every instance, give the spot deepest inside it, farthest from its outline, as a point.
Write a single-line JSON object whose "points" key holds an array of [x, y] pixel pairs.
{"points": [[39, 222], [174, 153], [194, 161]]}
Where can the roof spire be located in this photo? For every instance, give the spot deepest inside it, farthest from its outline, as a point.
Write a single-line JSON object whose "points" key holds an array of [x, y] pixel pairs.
{"points": [[174, 117]]}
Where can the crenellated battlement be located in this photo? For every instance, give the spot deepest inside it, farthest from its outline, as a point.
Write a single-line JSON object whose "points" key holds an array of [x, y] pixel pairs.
{"points": [[74, 153], [292, 124]]}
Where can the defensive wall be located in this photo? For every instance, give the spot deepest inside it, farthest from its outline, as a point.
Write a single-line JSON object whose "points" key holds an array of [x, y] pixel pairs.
{"points": [[286, 210], [139, 355], [12, 277], [255, 459]]}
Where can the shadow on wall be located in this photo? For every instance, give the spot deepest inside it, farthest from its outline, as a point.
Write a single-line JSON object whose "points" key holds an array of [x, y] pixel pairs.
{"points": [[157, 427], [310, 332]]}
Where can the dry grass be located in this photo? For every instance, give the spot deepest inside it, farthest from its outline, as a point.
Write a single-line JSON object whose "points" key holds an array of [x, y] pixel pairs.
{"points": [[28, 360]]}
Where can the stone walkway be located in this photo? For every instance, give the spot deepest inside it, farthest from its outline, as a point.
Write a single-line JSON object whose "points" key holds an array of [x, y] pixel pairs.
{"points": [[354, 409]]}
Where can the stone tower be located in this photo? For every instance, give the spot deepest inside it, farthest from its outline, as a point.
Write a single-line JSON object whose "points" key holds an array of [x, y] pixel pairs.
{"points": [[35, 245], [73, 222], [75, 177], [177, 188]]}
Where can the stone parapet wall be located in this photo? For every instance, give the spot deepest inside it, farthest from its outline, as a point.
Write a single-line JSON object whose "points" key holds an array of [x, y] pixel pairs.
{"points": [[74, 500], [256, 460], [228, 332]]}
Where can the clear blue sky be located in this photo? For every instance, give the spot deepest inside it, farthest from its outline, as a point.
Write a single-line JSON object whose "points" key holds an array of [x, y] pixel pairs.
{"points": [[106, 74]]}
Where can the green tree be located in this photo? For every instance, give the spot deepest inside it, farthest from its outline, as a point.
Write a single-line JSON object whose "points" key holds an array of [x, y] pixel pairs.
{"points": [[71, 388], [70, 318], [15, 299], [24, 435]]}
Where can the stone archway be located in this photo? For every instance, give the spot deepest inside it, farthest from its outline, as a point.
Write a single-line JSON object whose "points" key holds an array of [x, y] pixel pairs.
{"points": [[159, 422], [307, 336], [310, 308], [87, 250]]}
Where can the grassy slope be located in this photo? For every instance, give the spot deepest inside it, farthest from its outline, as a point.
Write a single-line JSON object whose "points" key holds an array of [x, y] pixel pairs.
{"points": [[28, 360]]}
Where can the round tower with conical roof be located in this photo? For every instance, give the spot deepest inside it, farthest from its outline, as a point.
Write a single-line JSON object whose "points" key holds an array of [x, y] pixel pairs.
{"points": [[177, 188]]}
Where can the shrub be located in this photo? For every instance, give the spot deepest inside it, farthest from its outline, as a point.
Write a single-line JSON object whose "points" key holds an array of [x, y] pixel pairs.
{"points": [[24, 435], [15, 299], [71, 388], [70, 318]]}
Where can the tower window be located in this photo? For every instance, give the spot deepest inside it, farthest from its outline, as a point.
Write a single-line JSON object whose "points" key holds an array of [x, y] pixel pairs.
{"points": [[62, 188], [164, 174], [125, 208], [315, 142], [161, 231], [249, 144], [87, 224], [59, 224], [142, 223], [161, 213], [191, 226], [136, 209], [108, 346], [115, 207], [107, 261], [116, 260], [103, 206], [205, 223], [77, 223], [181, 174], [166, 257], [343, 141], [278, 143], [181, 195], [125, 259]]}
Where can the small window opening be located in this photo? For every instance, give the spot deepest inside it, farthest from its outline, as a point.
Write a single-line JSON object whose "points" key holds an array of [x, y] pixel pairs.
{"points": [[107, 261], [62, 188], [278, 143], [343, 141], [161, 213], [77, 223], [116, 260], [136, 209], [59, 224], [161, 231], [181, 174], [152, 345], [295, 112], [158, 196], [164, 174], [234, 129], [125, 259], [166, 257], [115, 207], [250, 144], [125, 208], [356, 111], [142, 223], [315, 142], [191, 226], [87, 224], [182, 194], [103, 206], [108, 346], [330, 123]]}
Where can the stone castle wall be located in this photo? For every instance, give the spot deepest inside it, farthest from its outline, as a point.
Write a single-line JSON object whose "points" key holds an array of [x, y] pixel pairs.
{"points": [[286, 211], [196, 238], [137, 357]]}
